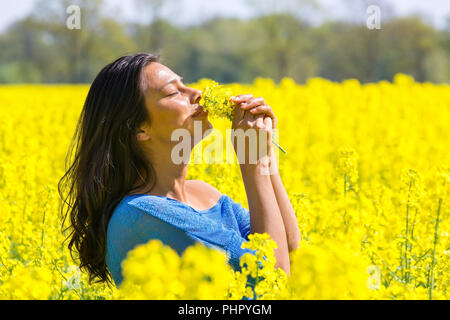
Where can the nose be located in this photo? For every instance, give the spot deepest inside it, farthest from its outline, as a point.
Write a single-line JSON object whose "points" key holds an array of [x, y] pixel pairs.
{"points": [[196, 95]]}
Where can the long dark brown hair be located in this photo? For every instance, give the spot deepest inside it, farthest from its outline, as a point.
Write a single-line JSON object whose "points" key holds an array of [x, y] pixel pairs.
{"points": [[105, 160]]}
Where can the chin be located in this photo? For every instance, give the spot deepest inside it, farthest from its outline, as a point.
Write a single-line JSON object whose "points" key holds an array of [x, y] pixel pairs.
{"points": [[200, 130], [201, 125], [208, 125]]}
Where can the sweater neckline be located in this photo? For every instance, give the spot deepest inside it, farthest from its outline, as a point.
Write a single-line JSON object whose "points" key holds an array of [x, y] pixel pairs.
{"points": [[222, 197]]}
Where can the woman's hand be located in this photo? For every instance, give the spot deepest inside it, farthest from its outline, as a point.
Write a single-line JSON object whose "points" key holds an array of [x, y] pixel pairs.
{"points": [[256, 106], [252, 113]]}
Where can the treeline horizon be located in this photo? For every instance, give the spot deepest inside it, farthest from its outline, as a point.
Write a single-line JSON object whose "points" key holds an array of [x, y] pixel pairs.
{"points": [[41, 49]]}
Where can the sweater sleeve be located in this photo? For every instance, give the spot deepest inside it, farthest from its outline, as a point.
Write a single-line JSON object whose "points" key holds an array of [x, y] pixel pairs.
{"points": [[242, 215]]}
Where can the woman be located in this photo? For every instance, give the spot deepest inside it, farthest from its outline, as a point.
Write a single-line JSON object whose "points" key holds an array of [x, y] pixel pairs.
{"points": [[124, 188]]}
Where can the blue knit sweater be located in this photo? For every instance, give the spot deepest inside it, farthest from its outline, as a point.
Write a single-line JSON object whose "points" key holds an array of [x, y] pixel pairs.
{"points": [[140, 218]]}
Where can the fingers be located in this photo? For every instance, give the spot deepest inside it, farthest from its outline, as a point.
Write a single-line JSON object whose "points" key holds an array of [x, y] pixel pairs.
{"points": [[268, 123], [260, 122], [266, 110], [247, 107], [241, 98], [238, 100], [258, 106], [238, 113], [252, 103]]}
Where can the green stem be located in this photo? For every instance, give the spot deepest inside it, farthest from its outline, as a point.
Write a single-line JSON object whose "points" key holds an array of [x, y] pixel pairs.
{"points": [[3, 264], [404, 256], [406, 234], [23, 221], [43, 230], [412, 234], [256, 282], [344, 218], [433, 261], [278, 146], [392, 273], [65, 279]]}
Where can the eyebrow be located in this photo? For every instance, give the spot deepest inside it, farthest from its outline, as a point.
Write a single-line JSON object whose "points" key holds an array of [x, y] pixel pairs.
{"points": [[171, 81]]}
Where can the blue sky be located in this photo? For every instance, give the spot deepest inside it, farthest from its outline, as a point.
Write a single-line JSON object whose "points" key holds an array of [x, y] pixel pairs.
{"points": [[192, 11]]}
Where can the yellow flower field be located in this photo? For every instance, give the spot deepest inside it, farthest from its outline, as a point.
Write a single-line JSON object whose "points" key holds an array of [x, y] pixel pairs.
{"points": [[367, 170]]}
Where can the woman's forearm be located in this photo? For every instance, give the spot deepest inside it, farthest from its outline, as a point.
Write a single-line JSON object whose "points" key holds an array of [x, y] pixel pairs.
{"points": [[265, 216], [286, 210]]}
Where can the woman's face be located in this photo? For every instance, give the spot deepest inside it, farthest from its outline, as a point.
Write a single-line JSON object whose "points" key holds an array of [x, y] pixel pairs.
{"points": [[170, 104]]}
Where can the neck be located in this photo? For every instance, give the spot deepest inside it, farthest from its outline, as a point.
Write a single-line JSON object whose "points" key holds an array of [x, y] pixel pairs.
{"points": [[170, 177]]}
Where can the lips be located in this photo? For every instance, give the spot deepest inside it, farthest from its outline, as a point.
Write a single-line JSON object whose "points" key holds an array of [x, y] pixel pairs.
{"points": [[199, 111]]}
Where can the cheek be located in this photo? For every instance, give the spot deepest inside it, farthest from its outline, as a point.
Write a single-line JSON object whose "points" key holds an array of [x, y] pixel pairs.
{"points": [[180, 112], [171, 116]]}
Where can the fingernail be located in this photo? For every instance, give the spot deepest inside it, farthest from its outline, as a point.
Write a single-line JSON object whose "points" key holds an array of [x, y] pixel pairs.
{"points": [[232, 97]]}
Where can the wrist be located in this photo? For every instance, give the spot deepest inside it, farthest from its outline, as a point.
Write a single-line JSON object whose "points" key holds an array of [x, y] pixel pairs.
{"points": [[273, 164], [265, 166]]}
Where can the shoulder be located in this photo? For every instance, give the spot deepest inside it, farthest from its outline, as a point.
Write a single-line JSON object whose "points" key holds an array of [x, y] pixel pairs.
{"points": [[144, 202], [131, 207], [203, 188], [143, 209]]}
